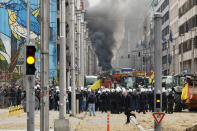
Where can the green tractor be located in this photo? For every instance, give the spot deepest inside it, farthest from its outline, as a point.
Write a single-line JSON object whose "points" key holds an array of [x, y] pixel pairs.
{"points": [[175, 83]]}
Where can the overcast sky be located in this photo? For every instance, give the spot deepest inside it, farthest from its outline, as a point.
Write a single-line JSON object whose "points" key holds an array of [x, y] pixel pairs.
{"points": [[93, 2]]}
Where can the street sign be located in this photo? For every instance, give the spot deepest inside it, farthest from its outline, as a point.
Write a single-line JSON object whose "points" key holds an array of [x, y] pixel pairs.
{"points": [[158, 117]]}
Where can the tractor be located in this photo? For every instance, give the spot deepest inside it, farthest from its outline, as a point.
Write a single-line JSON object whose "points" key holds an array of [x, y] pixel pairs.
{"points": [[189, 93], [176, 83]]}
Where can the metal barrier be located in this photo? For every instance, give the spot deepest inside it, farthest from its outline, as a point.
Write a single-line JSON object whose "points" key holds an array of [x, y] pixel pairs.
{"points": [[14, 110]]}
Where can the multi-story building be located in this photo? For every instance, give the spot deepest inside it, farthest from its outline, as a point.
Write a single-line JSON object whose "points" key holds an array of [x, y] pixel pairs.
{"points": [[179, 35], [187, 35], [84, 53], [163, 7], [174, 28]]}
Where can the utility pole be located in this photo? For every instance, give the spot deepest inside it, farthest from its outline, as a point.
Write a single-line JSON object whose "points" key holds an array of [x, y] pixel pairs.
{"points": [[30, 83], [142, 62], [62, 124], [158, 66], [174, 58], [193, 46], [182, 70], [85, 47], [72, 44], [62, 111], [168, 64], [79, 45], [44, 98], [31, 102], [82, 50], [134, 61]]}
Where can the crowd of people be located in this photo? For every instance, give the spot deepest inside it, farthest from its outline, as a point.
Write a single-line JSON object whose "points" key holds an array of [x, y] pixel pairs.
{"points": [[120, 100], [114, 100], [141, 100], [11, 95]]}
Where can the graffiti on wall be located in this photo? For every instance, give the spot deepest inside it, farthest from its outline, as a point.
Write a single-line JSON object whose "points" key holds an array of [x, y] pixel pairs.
{"points": [[13, 33]]}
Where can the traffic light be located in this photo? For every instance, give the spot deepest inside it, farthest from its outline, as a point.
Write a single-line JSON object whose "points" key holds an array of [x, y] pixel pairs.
{"points": [[158, 100], [30, 60]]}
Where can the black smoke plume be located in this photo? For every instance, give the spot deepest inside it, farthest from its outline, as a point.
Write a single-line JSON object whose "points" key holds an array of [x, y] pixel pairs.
{"points": [[105, 21], [101, 29]]}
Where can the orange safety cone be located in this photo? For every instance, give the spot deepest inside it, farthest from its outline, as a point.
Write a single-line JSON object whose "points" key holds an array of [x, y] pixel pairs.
{"points": [[108, 126]]}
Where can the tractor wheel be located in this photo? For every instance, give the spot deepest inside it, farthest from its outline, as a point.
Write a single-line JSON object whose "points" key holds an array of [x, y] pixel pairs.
{"points": [[192, 109], [177, 103]]}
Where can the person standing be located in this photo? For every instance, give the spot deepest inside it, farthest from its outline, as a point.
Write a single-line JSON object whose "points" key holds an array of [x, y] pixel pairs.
{"points": [[170, 102], [19, 92], [14, 95], [127, 106], [142, 101], [103, 101], [91, 100], [164, 101]]}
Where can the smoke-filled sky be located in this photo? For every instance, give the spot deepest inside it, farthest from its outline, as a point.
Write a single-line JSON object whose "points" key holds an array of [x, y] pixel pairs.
{"points": [[106, 23]]}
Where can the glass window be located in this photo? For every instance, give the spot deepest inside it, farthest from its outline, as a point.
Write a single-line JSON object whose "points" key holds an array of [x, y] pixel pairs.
{"points": [[90, 81], [164, 59], [130, 82], [186, 7], [169, 80]]}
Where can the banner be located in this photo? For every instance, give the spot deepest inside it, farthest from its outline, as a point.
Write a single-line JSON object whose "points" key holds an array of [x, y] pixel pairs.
{"points": [[96, 85]]}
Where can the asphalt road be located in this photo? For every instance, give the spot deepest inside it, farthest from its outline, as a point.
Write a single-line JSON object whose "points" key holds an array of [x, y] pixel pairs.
{"points": [[84, 122]]}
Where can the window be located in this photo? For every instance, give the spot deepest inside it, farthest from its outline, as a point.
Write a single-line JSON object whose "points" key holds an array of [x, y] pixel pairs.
{"points": [[164, 5], [159, 10], [164, 59], [195, 42], [58, 27], [165, 17], [165, 31], [58, 4], [191, 23], [164, 46], [187, 6], [187, 46]]}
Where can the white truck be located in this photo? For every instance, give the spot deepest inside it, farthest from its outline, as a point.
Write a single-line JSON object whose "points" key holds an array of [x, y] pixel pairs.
{"points": [[90, 80]]}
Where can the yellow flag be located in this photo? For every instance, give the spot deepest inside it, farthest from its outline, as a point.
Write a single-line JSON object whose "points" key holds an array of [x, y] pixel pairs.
{"points": [[151, 78], [184, 94], [96, 85], [153, 75], [150, 81]]}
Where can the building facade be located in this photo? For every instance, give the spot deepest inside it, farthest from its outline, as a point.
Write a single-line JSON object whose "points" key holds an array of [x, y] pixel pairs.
{"points": [[179, 41], [187, 35], [163, 6]]}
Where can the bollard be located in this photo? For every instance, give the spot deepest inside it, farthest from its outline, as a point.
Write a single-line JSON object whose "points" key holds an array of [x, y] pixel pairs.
{"points": [[22, 108], [10, 111], [15, 109], [18, 109], [108, 127]]}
